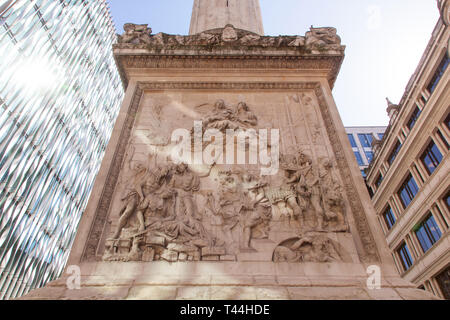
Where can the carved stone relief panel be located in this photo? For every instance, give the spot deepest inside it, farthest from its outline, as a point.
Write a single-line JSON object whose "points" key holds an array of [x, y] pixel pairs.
{"points": [[188, 210]]}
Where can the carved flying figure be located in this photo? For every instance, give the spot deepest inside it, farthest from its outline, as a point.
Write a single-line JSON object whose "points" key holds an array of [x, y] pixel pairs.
{"points": [[223, 117]]}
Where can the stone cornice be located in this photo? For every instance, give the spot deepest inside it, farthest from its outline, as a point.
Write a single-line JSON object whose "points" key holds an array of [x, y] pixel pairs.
{"points": [[126, 62], [229, 48]]}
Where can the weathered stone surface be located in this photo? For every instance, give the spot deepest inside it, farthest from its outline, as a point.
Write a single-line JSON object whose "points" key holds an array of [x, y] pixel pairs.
{"points": [[415, 294], [159, 241], [232, 280], [157, 279], [170, 256], [148, 255], [152, 293], [272, 293], [228, 258], [383, 294], [208, 15], [210, 251], [194, 293], [233, 293], [181, 248], [265, 280], [47, 293], [321, 293], [211, 258], [182, 257], [97, 293], [200, 243]]}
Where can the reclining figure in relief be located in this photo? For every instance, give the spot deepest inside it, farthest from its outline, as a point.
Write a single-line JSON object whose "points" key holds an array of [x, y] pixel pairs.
{"points": [[307, 248]]}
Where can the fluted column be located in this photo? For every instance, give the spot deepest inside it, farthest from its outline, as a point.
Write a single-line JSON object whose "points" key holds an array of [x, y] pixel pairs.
{"points": [[212, 14]]}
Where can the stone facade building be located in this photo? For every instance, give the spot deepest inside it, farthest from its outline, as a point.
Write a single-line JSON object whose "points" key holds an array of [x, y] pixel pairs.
{"points": [[410, 175], [361, 140]]}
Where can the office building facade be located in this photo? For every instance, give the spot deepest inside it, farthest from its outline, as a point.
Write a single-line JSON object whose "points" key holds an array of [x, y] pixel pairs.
{"points": [[361, 140], [410, 175], [60, 94]]}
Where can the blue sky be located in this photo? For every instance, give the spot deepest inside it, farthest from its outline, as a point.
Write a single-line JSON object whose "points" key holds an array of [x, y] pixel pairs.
{"points": [[385, 40]]}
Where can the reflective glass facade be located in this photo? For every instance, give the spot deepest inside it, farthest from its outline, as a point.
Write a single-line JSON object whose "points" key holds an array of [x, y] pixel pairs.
{"points": [[60, 94]]}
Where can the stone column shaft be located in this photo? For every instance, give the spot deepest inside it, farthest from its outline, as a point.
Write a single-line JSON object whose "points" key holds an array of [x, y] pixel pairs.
{"points": [[212, 14]]}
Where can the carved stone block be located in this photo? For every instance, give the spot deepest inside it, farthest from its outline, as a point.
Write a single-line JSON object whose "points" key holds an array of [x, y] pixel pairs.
{"points": [[211, 258], [228, 258], [211, 251], [148, 255], [170, 256], [158, 241], [182, 257], [181, 248]]}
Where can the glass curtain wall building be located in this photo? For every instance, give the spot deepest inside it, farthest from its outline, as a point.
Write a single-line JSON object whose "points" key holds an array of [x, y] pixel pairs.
{"points": [[60, 94]]}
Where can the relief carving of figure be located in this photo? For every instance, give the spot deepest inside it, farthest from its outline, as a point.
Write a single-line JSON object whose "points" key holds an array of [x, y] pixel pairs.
{"points": [[310, 247], [223, 117], [146, 183], [245, 116], [312, 185], [332, 197], [230, 204], [186, 220], [159, 217], [256, 210]]}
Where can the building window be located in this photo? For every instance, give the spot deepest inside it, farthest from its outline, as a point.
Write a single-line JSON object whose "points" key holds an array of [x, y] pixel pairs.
{"points": [[369, 156], [447, 121], [424, 102], [394, 152], [447, 200], [427, 232], [413, 119], [352, 140], [408, 191], [381, 135], [443, 279], [443, 139], [370, 191], [405, 256], [379, 180], [389, 218], [438, 74], [365, 139], [431, 157], [358, 158]]}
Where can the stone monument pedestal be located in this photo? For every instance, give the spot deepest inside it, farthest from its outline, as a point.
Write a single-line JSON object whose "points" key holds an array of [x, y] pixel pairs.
{"points": [[228, 281], [158, 229]]}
